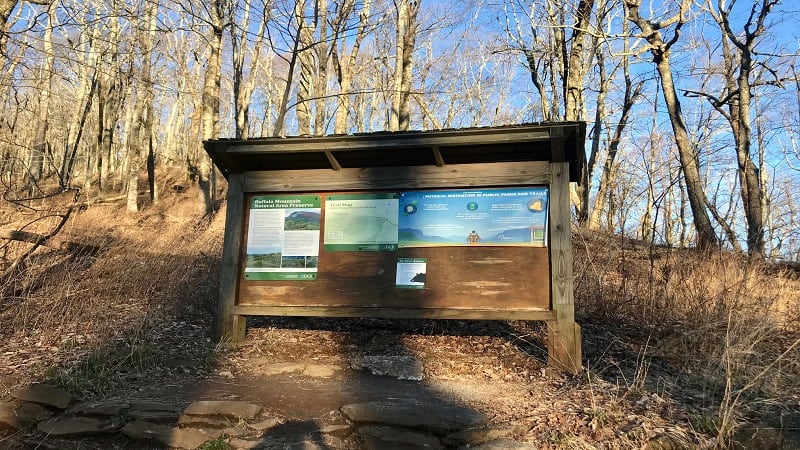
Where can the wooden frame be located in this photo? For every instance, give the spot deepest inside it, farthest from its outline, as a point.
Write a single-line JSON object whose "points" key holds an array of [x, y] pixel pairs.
{"points": [[520, 156]]}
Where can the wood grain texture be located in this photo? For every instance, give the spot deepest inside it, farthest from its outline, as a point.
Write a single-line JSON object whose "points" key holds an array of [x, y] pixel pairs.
{"points": [[230, 327], [396, 313], [400, 178], [512, 278], [564, 338]]}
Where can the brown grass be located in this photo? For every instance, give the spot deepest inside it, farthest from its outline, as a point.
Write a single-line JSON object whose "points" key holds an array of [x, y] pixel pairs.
{"points": [[80, 317], [723, 325]]}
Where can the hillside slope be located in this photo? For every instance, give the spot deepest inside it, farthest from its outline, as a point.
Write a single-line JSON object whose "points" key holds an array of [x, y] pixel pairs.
{"points": [[680, 348]]}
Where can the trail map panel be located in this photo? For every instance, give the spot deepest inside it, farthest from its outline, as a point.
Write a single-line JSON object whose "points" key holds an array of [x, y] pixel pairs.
{"points": [[361, 222], [283, 237]]}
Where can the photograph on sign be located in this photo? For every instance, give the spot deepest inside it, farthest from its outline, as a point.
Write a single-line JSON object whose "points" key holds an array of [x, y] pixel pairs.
{"points": [[283, 237], [361, 222], [480, 217], [411, 273]]}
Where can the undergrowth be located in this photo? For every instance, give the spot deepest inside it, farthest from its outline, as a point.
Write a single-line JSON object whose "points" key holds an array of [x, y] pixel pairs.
{"points": [[726, 328]]}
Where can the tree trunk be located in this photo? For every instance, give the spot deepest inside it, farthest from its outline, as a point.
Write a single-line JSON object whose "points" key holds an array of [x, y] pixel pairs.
{"points": [[210, 108], [136, 139], [40, 143], [660, 50]]}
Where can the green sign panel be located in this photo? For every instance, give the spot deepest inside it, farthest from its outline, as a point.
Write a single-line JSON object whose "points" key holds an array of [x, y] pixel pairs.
{"points": [[283, 237], [361, 222]]}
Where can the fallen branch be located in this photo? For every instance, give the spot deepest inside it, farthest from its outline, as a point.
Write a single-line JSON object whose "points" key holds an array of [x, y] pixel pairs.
{"points": [[47, 241], [37, 241]]}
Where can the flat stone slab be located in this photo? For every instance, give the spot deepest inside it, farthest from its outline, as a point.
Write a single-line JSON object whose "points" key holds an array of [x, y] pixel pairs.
{"points": [[337, 430], [203, 421], [187, 438], [17, 415], [320, 370], [309, 370], [154, 406], [103, 408], [44, 394], [164, 417], [382, 437], [400, 367], [406, 413], [225, 408], [63, 426]]}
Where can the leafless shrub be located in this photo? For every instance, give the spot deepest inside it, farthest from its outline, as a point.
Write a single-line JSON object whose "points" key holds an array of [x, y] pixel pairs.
{"points": [[729, 322]]}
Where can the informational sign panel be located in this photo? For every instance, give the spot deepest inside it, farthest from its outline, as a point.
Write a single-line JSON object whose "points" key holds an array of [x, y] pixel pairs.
{"points": [[283, 237], [487, 217], [361, 222], [411, 273]]}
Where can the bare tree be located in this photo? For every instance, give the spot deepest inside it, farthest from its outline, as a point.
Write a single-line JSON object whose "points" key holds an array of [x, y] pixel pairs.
{"points": [[141, 115], [40, 145], [660, 49], [344, 61], [240, 45], [406, 15], [735, 102]]}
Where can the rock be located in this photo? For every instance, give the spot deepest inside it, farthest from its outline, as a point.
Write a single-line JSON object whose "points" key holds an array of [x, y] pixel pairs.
{"points": [[153, 406], [104, 408], [248, 444], [400, 367], [234, 432], [382, 437], [18, 415], [62, 426], [320, 370], [44, 394], [280, 368], [309, 370], [474, 436], [503, 444], [203, 422], [164, 417], [226, 408], [406, 413], [188, 438], [265, 424], [337, 430]]}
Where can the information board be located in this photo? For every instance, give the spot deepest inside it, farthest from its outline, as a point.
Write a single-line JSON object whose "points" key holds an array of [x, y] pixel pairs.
{"points": [[489, 217], [283, 237]]}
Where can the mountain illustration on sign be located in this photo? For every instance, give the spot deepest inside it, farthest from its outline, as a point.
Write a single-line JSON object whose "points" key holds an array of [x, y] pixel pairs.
{"points": [[304, 215], [418, 278], [302, 220]]}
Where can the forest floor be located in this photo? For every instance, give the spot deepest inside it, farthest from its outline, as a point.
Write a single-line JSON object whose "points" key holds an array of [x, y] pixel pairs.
{"points": [[132, 320]]}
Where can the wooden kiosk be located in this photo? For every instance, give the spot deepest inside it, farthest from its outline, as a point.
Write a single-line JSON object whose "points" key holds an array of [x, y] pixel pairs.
{"points": [[455, 224]]}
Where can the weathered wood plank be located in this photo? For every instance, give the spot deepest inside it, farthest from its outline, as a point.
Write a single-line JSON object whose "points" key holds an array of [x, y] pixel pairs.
{"points": [[564, 344], [457, 277], [397, 140], [230, 327], [400, 178], [396, 313]]}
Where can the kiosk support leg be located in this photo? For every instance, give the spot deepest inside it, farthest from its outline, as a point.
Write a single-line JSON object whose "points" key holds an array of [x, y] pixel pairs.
{"points": [[229, 327], [564, 335]]}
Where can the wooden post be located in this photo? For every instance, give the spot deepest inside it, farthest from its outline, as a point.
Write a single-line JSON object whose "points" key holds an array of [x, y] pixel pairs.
{"points": [[230, 327], [564, 335]]}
